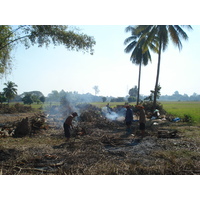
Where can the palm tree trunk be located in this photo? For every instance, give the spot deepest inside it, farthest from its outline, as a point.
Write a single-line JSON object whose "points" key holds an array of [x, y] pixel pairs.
{"points": [[157, 77], [138, 93]]}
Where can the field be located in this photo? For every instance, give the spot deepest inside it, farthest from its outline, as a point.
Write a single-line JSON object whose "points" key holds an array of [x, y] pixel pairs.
{"points": [[179, 109], [104, 148]]}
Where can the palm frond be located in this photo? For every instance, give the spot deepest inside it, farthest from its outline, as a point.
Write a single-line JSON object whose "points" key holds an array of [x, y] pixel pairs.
{"points": [[129, 28], [130, 47], [181, 32], [129, 39], [175, 36]]}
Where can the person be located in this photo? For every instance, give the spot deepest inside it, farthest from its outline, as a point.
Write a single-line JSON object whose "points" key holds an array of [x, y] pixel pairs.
{"points": [[68, 124], [128, 118], [156, 113], [142, 119], [109, 109]]}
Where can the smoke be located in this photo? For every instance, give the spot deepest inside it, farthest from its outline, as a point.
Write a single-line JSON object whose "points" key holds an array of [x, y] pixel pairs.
{"points": [[118, 115]]}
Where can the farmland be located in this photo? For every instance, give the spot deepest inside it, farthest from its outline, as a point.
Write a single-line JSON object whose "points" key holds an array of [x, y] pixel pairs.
{"points": [[179, 109], [104, 148]]}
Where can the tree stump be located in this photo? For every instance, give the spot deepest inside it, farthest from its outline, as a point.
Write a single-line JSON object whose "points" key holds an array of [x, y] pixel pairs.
{"points": [[23, 128]]}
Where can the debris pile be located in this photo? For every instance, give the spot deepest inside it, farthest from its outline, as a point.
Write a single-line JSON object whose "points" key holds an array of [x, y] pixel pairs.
{"points": [[25, 126]]}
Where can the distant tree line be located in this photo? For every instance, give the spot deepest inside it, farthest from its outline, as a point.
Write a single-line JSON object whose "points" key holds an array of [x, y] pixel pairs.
{"points": [[176, 96], [179, 97], [74, 97], [9, 94]]}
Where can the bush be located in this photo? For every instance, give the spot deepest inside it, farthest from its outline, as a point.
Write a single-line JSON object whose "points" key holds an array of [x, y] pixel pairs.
{"points": [[131, 99], [16, 108], [148, 106], [188, 118], [118, 99]]}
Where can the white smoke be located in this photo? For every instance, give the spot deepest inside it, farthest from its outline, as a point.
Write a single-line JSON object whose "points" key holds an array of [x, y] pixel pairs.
{"points": [[111, 115]]}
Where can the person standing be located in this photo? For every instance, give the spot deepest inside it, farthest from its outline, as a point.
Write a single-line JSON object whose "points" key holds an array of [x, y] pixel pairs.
{"points": [[142, 119], [128, 118], [68, 124]]}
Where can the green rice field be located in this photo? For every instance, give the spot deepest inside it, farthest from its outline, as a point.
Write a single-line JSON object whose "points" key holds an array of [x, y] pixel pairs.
{"points": [[179, 109]]}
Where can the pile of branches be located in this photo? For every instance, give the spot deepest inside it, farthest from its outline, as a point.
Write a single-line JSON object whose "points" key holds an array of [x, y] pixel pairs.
{"points": [[27, 125]]}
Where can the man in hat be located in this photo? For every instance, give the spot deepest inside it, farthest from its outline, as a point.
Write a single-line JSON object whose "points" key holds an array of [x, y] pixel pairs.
{"points": [[68, 124], [142, 119]]}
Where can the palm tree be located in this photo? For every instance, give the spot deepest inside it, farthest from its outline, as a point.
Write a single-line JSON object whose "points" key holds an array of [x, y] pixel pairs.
{"points": [[139, 54], [10, 91], [161, 33]]}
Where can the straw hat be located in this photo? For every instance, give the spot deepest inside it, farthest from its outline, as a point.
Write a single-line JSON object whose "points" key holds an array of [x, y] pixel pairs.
{"points": [[139, 106]]}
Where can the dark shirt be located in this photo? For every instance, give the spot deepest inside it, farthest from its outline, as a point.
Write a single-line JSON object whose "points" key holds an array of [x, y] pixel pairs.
{"points": [[129, 115], [142, 116]]}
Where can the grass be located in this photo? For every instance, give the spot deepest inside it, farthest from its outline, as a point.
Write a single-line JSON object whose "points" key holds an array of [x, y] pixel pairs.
{"points": [[183, 109], [111, 104]]}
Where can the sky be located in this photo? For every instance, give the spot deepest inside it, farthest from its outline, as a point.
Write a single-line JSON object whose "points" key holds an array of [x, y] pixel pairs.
{"points": [[56, 68]]}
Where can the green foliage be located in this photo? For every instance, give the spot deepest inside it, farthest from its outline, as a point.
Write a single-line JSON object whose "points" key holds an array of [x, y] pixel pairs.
{"points": [[131, 99], [150, 97], [188, 118], [10, 91], [118, 99], [104, 99], [133, 91], [33, 97], [28, 99], [42, 35], [160, 34], [42, 99], [2, 98], [5, 57], [148, 106], [140, 53]]}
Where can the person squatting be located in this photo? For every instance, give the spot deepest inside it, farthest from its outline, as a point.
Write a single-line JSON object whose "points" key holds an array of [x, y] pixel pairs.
{"points": [[68, 125]]}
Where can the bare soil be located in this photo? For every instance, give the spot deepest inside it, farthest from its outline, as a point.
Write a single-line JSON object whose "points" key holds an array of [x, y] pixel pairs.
{"points": [[99, 146]]}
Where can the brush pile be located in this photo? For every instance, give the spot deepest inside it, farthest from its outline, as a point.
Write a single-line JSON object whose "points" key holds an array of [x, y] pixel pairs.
{"points": [[98, 145]]}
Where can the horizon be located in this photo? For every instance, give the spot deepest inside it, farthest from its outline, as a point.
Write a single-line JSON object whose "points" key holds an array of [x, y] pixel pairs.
{"points": [[143, 95]]}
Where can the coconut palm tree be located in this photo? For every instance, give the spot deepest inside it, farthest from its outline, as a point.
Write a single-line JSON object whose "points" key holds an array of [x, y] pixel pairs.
{"points": [[10, 91], [162, 33], [139, 54]]}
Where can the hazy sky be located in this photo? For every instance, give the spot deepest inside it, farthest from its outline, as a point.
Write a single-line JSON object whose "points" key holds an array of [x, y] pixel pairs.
{"points": [[109, 68]]}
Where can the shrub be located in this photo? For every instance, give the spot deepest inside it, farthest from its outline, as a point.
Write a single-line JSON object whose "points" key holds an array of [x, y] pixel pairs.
{"points": [[188, 118], [131, 99], [148, 106], [16, 108]]}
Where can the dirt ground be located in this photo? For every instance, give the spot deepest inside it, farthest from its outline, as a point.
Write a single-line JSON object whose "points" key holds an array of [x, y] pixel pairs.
{"points": [[99, 146]]}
